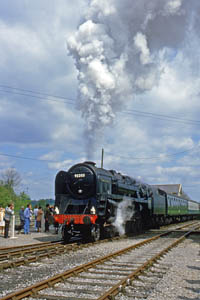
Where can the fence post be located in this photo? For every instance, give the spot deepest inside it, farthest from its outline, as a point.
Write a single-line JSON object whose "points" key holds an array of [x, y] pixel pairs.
{"points": [[12, 232]]}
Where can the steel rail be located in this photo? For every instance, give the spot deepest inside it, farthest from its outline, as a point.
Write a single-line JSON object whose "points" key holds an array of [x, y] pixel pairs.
{"points": [[119, 287], [50, 282], [22, 251], [37, 257], [34, 289], [4, 249], [51, 249]]}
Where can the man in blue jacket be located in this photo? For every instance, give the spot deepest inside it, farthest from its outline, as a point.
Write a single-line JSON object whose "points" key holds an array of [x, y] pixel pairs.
{"points": [[27, 219]]}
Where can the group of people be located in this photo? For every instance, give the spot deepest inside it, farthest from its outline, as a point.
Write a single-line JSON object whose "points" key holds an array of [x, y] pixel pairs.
{"points": [[37, 213], [25, 215]]}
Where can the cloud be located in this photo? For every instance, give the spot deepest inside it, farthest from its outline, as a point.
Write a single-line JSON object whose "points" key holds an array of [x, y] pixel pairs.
{"points": [[5, 163], [173, 6], [33, 56], [65, 164], [183, 142], [127, 55], [53, 155], [61, 165], [110, 32]]}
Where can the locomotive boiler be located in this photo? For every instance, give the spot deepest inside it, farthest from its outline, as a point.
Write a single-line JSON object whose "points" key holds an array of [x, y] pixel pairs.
{"points": [[94, 202]]}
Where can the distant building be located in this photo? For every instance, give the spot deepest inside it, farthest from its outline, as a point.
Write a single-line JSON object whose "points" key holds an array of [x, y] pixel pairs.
{"points": [[174, 189]]}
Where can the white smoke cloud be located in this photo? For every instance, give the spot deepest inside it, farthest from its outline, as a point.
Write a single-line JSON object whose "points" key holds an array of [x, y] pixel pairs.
{"points": [[173, 6], [125, 211], [118, 51], [141, 43]]}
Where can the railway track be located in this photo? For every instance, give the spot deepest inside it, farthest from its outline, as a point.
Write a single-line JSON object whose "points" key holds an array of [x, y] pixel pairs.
{"points": [[12, 257], [23, 249], [21, 256], [25, 254], [106, 277], [27, 246]]}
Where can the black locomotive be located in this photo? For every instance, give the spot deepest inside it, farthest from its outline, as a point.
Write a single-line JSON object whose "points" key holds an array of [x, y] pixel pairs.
{"points": [[94, 203]]}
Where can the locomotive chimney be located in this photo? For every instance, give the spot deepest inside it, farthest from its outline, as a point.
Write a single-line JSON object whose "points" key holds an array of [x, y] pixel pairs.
{"points": [[102, 154]]}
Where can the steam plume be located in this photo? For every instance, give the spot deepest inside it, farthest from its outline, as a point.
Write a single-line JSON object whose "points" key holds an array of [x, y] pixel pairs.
{"points": [[118, 51], [124, 213]]}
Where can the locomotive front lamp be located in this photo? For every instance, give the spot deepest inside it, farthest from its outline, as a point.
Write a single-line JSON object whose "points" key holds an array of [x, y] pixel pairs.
{"points": [[93, 210]]}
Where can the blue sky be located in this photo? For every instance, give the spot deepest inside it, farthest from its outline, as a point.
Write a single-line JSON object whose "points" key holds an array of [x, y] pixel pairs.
{"points": [[81, 76]]}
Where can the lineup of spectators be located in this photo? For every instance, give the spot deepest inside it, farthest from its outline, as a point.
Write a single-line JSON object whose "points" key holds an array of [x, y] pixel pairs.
{"points": [[26, 214]]}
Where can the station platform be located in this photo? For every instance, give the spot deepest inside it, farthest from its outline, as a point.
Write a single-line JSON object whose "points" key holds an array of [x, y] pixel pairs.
{"points": [[33, 237]]}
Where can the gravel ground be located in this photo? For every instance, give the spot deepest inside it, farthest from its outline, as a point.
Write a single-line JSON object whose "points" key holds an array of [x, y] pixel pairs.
{"points": [[183, 279], [180, 281], [18, 278]]}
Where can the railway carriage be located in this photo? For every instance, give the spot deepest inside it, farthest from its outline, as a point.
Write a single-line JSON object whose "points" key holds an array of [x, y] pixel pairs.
{"points": [[193, 207], [176, 206], [95, 202]]}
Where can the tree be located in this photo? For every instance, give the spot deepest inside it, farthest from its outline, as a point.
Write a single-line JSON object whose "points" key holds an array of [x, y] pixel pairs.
{"points": [[7, 195], [22, 200], [10, 178]]}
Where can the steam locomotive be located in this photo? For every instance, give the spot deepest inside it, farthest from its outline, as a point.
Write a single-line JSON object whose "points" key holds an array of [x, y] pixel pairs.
{"points": [[95, 203]]}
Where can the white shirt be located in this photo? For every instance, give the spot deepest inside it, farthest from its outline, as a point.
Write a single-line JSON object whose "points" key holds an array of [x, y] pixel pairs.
{"points": [[35, 212]]}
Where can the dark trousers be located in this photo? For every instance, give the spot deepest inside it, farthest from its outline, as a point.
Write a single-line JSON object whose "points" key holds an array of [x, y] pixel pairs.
{"points": [[21, 226], [22, 223], [56, 225], [7, 224], [46, 225]]}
